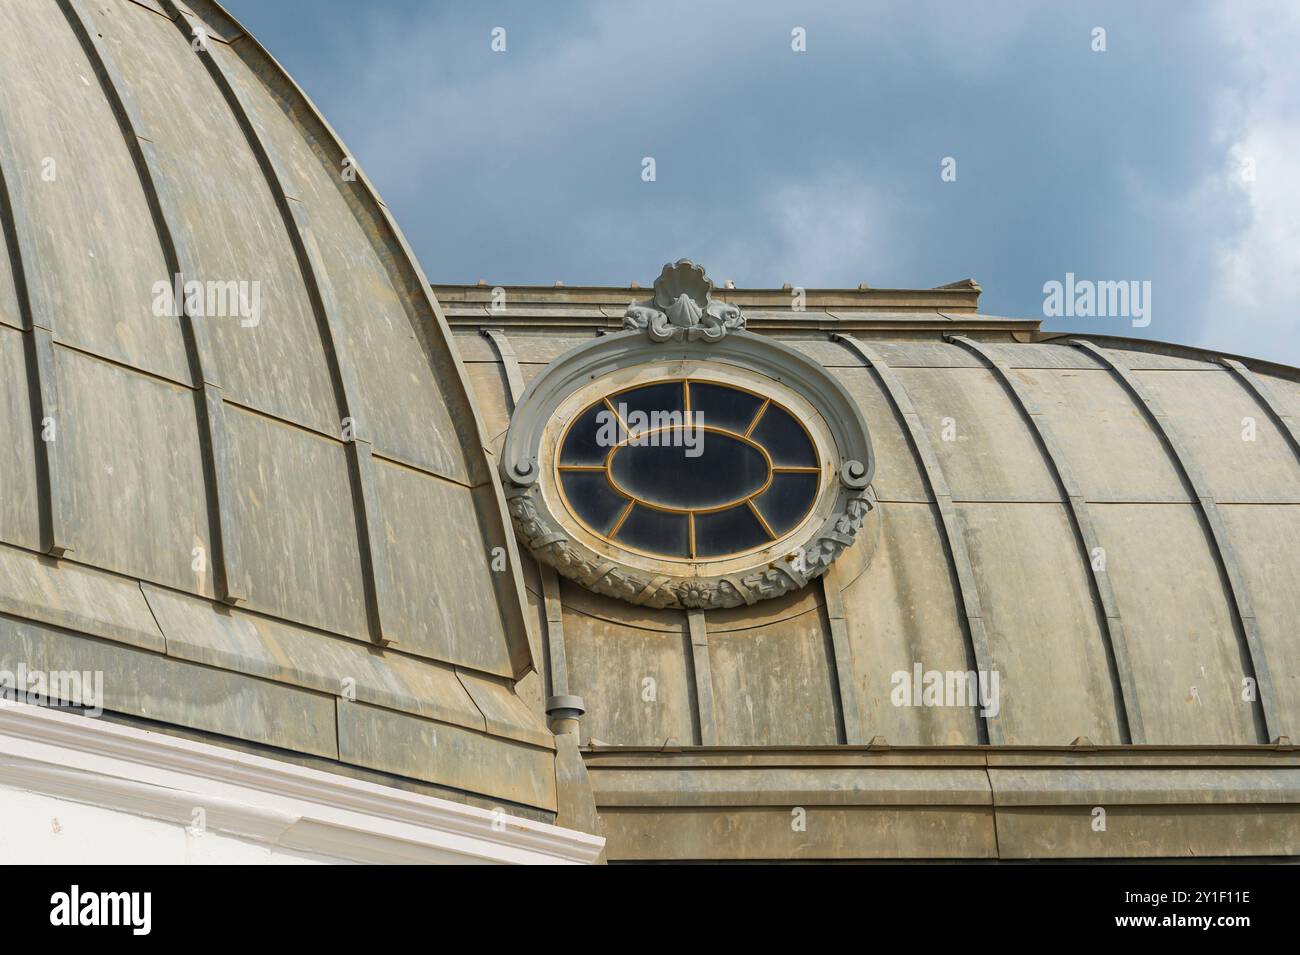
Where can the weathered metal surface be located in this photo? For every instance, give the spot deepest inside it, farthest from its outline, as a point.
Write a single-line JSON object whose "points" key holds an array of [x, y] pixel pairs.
{"points": [[938, 803], [899, 477], [553, 650], [1264, 539], [1044, 637], [1106, 442], [76, 598], [1285, 394], [165, 200], [637, 682], [1155, 359], [10, 312], [1037, 356], [530, 346], [85, 231], [1166, 812], [828, 833], [983, 445], [391, 380], [1040, 597], [853, 728], [138, 502], [286, 653], [702, 675], [905, 611], [155, 687], [1108, 616], [446, 609], [213, 190], [929, 352], [491, 389], [1265, 390], [448, 755], [207, 456], [20, 502], [829, 354], [34, 313], [788, 807], [179, 438], [1186, 658], [353, 423], [1228, 437], [940, 491], [774, 684], [294, 498], [504, 713], [1171, 431]]}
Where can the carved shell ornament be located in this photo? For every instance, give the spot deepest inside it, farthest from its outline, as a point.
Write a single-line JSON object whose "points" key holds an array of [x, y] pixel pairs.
{"points": [[682, 307], [761, 404]]}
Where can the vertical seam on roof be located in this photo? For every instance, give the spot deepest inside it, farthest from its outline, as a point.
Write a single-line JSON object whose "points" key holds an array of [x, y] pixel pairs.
{"points": [[1220, 545], [855, 730], [413, 289], [1112, 626], [366, 505], [218, 468], [556, 658], [959, 564], [697, 626], [53, 502]]}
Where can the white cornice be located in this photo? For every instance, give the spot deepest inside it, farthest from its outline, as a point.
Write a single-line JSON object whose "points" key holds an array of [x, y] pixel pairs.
{"points": [[165, 777]]}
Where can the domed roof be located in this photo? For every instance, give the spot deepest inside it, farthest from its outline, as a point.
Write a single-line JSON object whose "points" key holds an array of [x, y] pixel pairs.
{"points": [[241, 471], [1109, 524], [1076, 544]]}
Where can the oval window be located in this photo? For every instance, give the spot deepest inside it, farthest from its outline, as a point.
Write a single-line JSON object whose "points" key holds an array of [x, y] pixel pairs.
{"points": [[688, 469]]}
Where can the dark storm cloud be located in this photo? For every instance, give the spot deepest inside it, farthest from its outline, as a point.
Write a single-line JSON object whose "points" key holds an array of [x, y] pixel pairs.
{"points": [[823, 167]]}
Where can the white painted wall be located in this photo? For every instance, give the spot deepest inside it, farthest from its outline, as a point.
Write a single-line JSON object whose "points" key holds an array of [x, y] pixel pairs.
{"points": [[79, 790], [36, 827]]}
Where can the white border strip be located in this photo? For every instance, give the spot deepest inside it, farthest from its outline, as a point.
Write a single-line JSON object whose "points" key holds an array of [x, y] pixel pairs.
{"points": [[151, 774]]}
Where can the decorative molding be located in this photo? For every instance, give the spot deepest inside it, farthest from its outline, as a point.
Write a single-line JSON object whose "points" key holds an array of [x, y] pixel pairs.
{"points": [[682, 308], [807, 556], [151, 774]]}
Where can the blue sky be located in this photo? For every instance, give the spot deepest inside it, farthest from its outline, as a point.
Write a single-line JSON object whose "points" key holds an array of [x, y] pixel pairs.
{"points": [[1172, 157]]}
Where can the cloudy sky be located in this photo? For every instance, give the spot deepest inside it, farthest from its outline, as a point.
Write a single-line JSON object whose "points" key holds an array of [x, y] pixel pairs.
{"points": [[1171, 157]]}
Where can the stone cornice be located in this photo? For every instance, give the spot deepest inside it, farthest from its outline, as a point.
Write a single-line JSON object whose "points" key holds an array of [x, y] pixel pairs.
{"points": [[958, 297]]}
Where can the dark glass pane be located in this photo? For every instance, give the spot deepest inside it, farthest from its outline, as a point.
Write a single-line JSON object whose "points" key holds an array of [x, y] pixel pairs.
{"points": [[650, 406], [581, 445], [784, 504], [785, 439], [723, 407], [727, 532], [714, 470], [591, 496], [655, 531]]}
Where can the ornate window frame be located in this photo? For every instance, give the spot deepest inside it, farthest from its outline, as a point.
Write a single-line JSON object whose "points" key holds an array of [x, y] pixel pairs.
{"points": [[682, 333]]}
